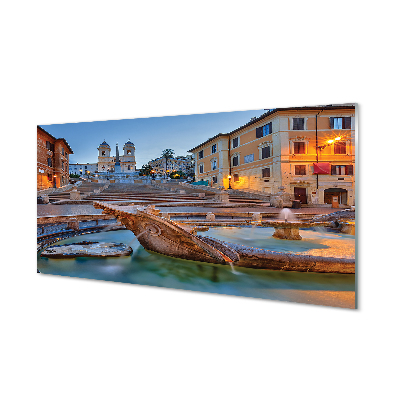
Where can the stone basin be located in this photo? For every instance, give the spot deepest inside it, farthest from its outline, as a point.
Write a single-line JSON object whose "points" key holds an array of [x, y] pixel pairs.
{"points": [[87, 249], [289, 230], [163, 236]]}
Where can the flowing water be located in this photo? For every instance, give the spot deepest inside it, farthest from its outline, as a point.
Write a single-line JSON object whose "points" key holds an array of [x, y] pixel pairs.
{"points": [[152, 269]]}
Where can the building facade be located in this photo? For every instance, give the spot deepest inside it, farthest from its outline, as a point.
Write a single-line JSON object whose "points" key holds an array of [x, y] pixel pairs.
{"points": [[162, 167], [83, 169], [307, 152], [107, 163], [52, 160]]}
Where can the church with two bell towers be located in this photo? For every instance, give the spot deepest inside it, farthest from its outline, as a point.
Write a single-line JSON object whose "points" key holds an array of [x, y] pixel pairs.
{"points": [[125, 163]]}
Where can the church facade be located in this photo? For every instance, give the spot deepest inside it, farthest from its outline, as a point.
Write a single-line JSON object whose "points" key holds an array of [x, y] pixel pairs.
{"points": [[125, 163]]}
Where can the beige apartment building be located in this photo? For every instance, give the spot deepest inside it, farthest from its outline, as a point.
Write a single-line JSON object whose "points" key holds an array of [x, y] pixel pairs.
{"points": [[307, 152]]}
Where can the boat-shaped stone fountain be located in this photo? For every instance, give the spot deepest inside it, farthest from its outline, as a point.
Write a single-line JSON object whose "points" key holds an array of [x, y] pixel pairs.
{"points": [[161, 235]]}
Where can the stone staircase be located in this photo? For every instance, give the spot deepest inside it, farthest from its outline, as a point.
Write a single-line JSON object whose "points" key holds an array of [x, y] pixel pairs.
{"points": [[85, 189]]}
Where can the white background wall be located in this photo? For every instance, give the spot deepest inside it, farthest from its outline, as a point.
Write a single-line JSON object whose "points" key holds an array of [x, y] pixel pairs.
{"points": [[65, 338]]}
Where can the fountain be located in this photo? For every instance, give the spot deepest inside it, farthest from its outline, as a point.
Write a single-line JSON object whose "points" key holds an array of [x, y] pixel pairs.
{"points": [[287, 226], [287, 215], [287, 230], [163, 236]]}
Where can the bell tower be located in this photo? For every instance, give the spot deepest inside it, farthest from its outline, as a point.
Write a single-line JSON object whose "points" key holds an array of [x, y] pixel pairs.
{"points": [[129, 162], [104, 150], [104, 160]]}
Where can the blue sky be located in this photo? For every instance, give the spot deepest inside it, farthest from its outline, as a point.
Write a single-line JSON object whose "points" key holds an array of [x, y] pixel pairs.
{"points": [[150, 135]]}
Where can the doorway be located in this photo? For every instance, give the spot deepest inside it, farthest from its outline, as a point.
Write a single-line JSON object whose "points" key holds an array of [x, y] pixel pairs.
{"points": [[300, 193], [340, 193]]}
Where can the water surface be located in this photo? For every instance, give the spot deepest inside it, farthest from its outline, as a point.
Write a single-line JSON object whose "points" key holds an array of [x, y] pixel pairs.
{"points": [[145, 268]]}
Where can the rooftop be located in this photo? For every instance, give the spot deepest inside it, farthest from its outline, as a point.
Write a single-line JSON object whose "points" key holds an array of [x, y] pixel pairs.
{"points": [[62, 139], [276, 110]]}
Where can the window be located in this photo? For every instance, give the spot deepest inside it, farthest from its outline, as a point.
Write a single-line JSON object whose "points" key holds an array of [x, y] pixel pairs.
{"points": [[264, 130], [214, 179], [298, 124], [340, 148], [340, 122], [266, 152], [129, 152], [341, 170], [214, 165], [201, 168], [49, 162], [103, 153], [249, 158], [299, 147], [62, 151], [214, 148], [300, 170], [50, 177], [235, 161], [201, 154], [49, 146], [235, 177], [266, 172], [129, 167], [235, 142]]}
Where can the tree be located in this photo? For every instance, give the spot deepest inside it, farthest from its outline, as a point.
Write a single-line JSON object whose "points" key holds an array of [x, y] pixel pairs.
{"points": [[177, 175], [146, 170], [167, 154]]}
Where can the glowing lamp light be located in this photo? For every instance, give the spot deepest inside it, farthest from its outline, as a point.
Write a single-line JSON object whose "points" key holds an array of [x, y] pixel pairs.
{"points": [[330, 141], [229, 177], [337, 138]]}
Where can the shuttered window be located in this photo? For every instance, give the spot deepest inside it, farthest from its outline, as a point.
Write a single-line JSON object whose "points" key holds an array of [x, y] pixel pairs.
{"points": [[201, 154], [266, 172], [265, 152], [201, 169], [264, 130], [235, 161], [299, 148], [298, 124], [236, 178], [341, 170], [340, 148], [235, 142], [214, 148], [267, 129], [300, 170], [340, 122], [349, 170]]}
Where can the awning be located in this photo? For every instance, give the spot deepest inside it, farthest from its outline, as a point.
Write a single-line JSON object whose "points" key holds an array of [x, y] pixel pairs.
{"points": [[322, 168]]}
